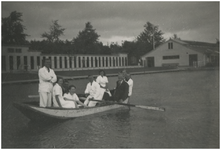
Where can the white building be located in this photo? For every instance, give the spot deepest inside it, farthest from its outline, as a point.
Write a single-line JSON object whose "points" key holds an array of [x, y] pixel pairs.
{"points": [[18, 58], [176, 52]]}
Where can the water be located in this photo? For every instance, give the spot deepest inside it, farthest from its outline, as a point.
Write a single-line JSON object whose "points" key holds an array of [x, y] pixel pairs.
{"points": [[191, 119]]}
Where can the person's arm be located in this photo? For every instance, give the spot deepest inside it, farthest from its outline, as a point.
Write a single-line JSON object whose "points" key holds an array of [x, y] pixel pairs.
{"points": [[69, 99], [86, 92], [82, 104], [44, 76], [58, 101], [54, 77]]}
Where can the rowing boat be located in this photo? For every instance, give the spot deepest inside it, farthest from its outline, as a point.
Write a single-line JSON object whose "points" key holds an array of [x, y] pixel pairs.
{"points": [[32, 111]]}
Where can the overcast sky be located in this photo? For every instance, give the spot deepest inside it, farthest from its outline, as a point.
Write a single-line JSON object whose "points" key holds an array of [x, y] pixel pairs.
{"points": [[117, 21]]}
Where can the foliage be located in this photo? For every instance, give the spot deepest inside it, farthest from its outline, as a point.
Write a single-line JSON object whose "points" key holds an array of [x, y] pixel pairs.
{"points": [[87, 41], [151, 35], [13, 30], [55, 31]]}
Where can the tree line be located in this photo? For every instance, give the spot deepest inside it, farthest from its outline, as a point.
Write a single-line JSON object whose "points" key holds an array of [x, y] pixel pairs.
{"points": [[86, 42]]}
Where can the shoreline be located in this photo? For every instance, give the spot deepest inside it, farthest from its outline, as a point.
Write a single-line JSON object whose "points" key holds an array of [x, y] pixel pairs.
{"points": [[135, 72]]}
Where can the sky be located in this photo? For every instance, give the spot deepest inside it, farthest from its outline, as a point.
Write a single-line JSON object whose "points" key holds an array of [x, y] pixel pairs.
{"points": [[117, 21]]}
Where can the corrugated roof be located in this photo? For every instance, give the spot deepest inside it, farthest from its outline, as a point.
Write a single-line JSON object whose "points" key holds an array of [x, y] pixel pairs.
{"points": [[202, 47]]}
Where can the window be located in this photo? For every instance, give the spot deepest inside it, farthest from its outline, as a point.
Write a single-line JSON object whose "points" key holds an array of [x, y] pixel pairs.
{"points": [[55, 62], [38, 61], [32, 62], [3, 63], [70, 62], [171, 57], [170, 45], [18, 61], [18, 50], [10, 50]]}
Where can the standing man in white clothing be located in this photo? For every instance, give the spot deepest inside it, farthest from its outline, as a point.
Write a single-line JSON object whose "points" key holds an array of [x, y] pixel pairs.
{"points": [[46, 79], [93, 91]]}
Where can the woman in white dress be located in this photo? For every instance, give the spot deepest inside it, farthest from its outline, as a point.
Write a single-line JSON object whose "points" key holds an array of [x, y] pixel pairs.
{"points": [[58, 100], [102, 80], [72, 96]]}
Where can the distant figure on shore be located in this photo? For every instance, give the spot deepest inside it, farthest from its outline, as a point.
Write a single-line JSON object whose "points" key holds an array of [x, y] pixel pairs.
{"points": [[58, 100], [47, 78], [92, 92]]}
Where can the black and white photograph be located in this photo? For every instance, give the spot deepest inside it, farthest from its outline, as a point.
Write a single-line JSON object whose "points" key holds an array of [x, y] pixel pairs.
{"points": [[110, 74]]}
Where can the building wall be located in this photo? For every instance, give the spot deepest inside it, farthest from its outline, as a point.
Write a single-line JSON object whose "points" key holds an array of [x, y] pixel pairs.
{"points": [[177, 50], [17, 58]]}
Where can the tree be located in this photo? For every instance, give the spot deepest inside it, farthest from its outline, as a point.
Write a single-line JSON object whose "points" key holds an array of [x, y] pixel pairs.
{"points": [[151, 35], [87, 40], [55, 31], [13, 30]]}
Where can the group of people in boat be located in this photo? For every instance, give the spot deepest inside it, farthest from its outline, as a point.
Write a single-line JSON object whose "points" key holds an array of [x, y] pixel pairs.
{"points": [[56, 92]]}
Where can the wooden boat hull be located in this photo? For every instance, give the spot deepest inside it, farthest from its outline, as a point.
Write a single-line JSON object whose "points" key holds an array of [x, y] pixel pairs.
{"points": [[35, 113]]}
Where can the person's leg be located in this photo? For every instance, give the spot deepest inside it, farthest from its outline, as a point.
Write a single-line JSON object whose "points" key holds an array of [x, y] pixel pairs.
{"points": [[87, 101], [43, 99], [92, 103], [49, 103], [68, 104]]}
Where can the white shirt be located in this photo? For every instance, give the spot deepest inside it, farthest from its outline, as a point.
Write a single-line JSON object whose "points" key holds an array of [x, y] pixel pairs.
{"points": [[102, 80], [93, 90], [69, 96], [44, 76], [57, 90], [130, 83]]}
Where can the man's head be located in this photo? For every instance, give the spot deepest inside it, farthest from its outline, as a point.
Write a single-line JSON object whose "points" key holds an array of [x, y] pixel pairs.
{"points": [[91, 78], [47, 62], [128, 76], [66, 83], [72, 89], [120, 77]]}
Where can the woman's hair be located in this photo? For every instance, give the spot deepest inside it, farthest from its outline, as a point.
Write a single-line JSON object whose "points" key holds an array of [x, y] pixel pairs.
{"points": [[71, 87], [103, 72]]}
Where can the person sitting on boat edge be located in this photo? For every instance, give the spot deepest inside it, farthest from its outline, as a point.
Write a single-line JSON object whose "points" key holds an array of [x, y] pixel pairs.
{"points": [[58, 100], [72, 96], [47, 78], [130, 82], [92, 92]]}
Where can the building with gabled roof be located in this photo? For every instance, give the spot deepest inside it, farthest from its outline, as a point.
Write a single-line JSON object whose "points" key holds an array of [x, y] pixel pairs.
{"points": [[176, 52]]}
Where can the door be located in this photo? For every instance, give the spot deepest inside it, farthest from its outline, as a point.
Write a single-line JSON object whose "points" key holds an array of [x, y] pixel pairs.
{"points": [[193, 59], [150, 61]]}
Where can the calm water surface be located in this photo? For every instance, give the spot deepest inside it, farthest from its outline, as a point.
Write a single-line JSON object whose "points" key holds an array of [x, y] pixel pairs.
{"points": [[191, 119]]}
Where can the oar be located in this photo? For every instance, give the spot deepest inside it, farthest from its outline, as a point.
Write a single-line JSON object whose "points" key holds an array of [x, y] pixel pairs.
{"points": [[138, 106], [33, 96]]}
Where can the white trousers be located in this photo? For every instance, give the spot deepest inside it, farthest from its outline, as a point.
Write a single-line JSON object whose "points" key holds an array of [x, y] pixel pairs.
{"points": [[45, 99], [89, 103]]}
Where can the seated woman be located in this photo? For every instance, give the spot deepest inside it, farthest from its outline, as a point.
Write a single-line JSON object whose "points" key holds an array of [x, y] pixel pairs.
{"points": [[58, 100], [72, 96]]}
